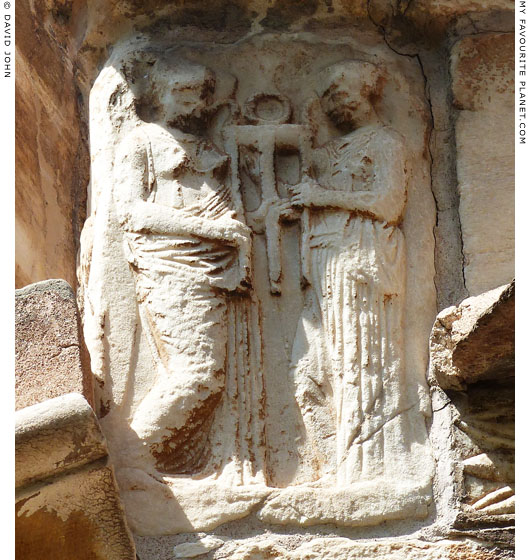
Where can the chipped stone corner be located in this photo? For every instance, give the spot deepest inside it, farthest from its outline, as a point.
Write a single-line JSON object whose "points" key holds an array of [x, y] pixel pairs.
{"points": [[472, 381], [67, 502]]}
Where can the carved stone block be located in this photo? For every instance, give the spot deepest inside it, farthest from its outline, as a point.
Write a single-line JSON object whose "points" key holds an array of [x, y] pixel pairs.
{"points": [[254, 247], [67, 504], [55, 436], [50, 149], [476, 340], [472, 359], [271, 187], [482, 68], [48, 344]]}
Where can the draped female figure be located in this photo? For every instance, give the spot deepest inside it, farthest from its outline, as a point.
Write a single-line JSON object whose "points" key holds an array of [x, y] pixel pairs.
{"points": [[348, 364]]}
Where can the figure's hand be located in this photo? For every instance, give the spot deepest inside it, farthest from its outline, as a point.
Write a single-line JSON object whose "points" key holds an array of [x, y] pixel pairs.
{"points": [[283, 209], [306, 194], [234, 231], [271, 210]]}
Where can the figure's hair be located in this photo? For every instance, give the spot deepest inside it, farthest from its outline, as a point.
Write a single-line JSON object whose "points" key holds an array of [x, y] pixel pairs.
{"points": [[189, 75], [149, 72], [358, 76]]}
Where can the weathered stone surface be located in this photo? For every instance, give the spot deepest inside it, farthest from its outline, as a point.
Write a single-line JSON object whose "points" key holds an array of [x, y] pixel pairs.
{"points": [[488, 349], [333, 548], [77, 516], [472, 358], [483, 90], [498, 529], [484, 436], [48, 344], [235, 18], [476, 340], [50, 150], [362, 505], [59, 41], [272, 181], [165, 508], [67, 503], [204, 545], [231, 393], [55, 436]]}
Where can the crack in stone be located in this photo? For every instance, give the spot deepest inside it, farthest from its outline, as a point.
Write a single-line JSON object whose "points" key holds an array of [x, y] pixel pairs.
{"points": [[444, 406], [461, 236], [374, 432], [64, 347], [417, 55], [472, 23]]}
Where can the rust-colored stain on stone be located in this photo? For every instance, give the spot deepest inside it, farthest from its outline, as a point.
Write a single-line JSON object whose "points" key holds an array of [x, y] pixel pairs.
{"points": [[181, 452], [77, 516], [45, 535], [463, 552], [483, 66]]}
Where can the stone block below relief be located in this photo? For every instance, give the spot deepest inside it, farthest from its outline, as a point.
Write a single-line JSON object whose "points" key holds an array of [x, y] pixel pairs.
{"points": [[316, 548], [154, 508], [258, 281], [48, 344], [67, 504]]}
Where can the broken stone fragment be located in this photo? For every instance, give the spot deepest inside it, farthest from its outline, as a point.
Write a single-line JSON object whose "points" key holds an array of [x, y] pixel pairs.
{"points": [[475, 341], [363, 504], [67, 504], [55, 436], [48, 344], [472, 358], [202, 546], [482, 466], [497, 502]]}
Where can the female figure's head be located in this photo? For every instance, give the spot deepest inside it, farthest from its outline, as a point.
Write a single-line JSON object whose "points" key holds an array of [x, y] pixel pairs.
{"points": [[173, 91], [184, 90], [347, 91]]}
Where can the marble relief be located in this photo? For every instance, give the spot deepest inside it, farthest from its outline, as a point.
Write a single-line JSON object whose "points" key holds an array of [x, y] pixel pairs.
{"points": [[258, 282]]}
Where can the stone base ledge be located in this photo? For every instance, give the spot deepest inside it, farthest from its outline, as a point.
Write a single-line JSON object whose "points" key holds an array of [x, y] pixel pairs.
{"points": [[289, 547]]}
